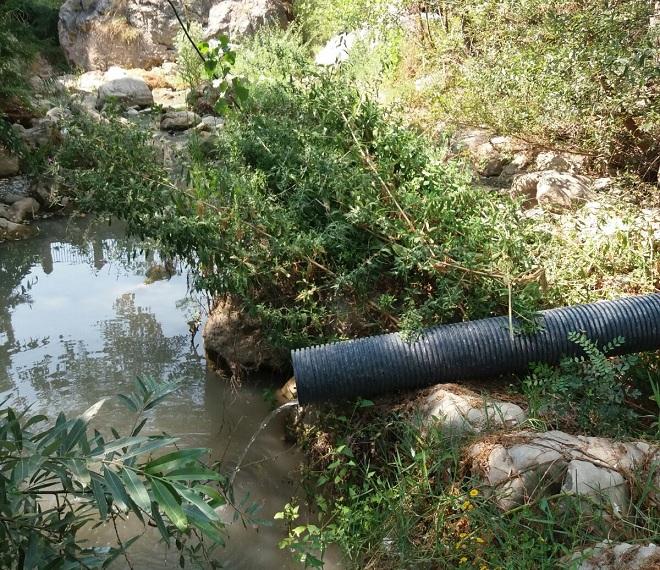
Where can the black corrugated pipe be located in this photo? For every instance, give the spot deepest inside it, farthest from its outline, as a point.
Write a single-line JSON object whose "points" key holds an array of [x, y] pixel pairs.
{"points": [[470, 350]]}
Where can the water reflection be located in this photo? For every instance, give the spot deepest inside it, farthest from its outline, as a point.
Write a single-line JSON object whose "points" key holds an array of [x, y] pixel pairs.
{"points": [[81, 314]]}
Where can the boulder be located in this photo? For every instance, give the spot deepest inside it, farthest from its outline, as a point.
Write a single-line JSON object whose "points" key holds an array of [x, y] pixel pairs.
{"points": [[551, 189], [234, 341], [170, 98], [14, 189], [209, 123], [488, 161], [459, 410], [95, 34], [561, 161], [179, 120], [127, 91], [43, 132], [13, 231], [237, 18], [21, 210], [9, 164], [525, 466]]}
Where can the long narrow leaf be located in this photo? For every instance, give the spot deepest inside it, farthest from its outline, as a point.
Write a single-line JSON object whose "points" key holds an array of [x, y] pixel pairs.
{"points": [[167, 501], [136, 489]]}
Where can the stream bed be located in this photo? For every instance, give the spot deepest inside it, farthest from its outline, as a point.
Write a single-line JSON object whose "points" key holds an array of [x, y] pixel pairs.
{"points": [[80, 319]]}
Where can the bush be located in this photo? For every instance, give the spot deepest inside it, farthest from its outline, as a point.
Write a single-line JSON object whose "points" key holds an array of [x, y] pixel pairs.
{"points": [[190, 67], [57, 478], [589, 393], [580, 74], [329, 219]]}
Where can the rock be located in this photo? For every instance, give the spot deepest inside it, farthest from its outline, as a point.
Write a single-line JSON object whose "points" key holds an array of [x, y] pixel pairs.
{"points": [[586, 479], [612, 556], [14, 189], [10, 230], [22, 209], [561, 190], [485, 157], [59, 114], [561, 161], [209, 123], [458, 410], [521, 160], [43, 132], [95, 34], [234, 342], [524, 466], [337, 49], [601, 184], [287, 393], [170, 98], [551, 189], [237, 18], [9, 164], [179, 120], [90, 82], [127, 91]]}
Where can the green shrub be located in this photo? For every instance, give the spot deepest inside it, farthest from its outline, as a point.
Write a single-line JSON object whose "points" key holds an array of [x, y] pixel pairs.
{"points": [[190, 67], [581, 74], [58, 477], [589, 393], [329, 219]]}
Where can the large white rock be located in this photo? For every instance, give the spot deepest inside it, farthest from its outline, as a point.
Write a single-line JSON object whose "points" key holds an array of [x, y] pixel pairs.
{"points": [[458, 411], [523, 466], [551, 189], [96, 34], [237, 18], [127, 91]]}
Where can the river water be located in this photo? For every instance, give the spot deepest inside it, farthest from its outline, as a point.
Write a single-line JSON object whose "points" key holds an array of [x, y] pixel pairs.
{"points": [[79, 320]]}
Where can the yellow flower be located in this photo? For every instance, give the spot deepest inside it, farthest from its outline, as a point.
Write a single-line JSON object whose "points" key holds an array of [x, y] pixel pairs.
{"points": [[474, 492], [466, 505], [463, 560]]}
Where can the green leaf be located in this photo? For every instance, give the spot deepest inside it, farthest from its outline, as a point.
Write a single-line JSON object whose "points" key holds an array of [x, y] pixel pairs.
{"points": [[73, 437], [116, 488], [217, 500], [167, 502], [194, 473], [136, 489], [175, 460], [199, 502], [79, 471], [221, 107], [26, 467], [99, 497], [128, 402], [152, 444]]}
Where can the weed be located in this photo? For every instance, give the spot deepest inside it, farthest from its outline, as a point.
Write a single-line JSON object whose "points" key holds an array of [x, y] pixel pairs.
{"points": [[590, 393]]}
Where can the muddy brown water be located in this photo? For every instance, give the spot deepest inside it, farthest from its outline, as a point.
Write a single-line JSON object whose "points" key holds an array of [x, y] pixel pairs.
{"points": [[78, 322]]}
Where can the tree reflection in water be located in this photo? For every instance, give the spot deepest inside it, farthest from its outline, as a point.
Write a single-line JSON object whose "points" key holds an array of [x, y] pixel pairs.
{"points": [[89, 332]]}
